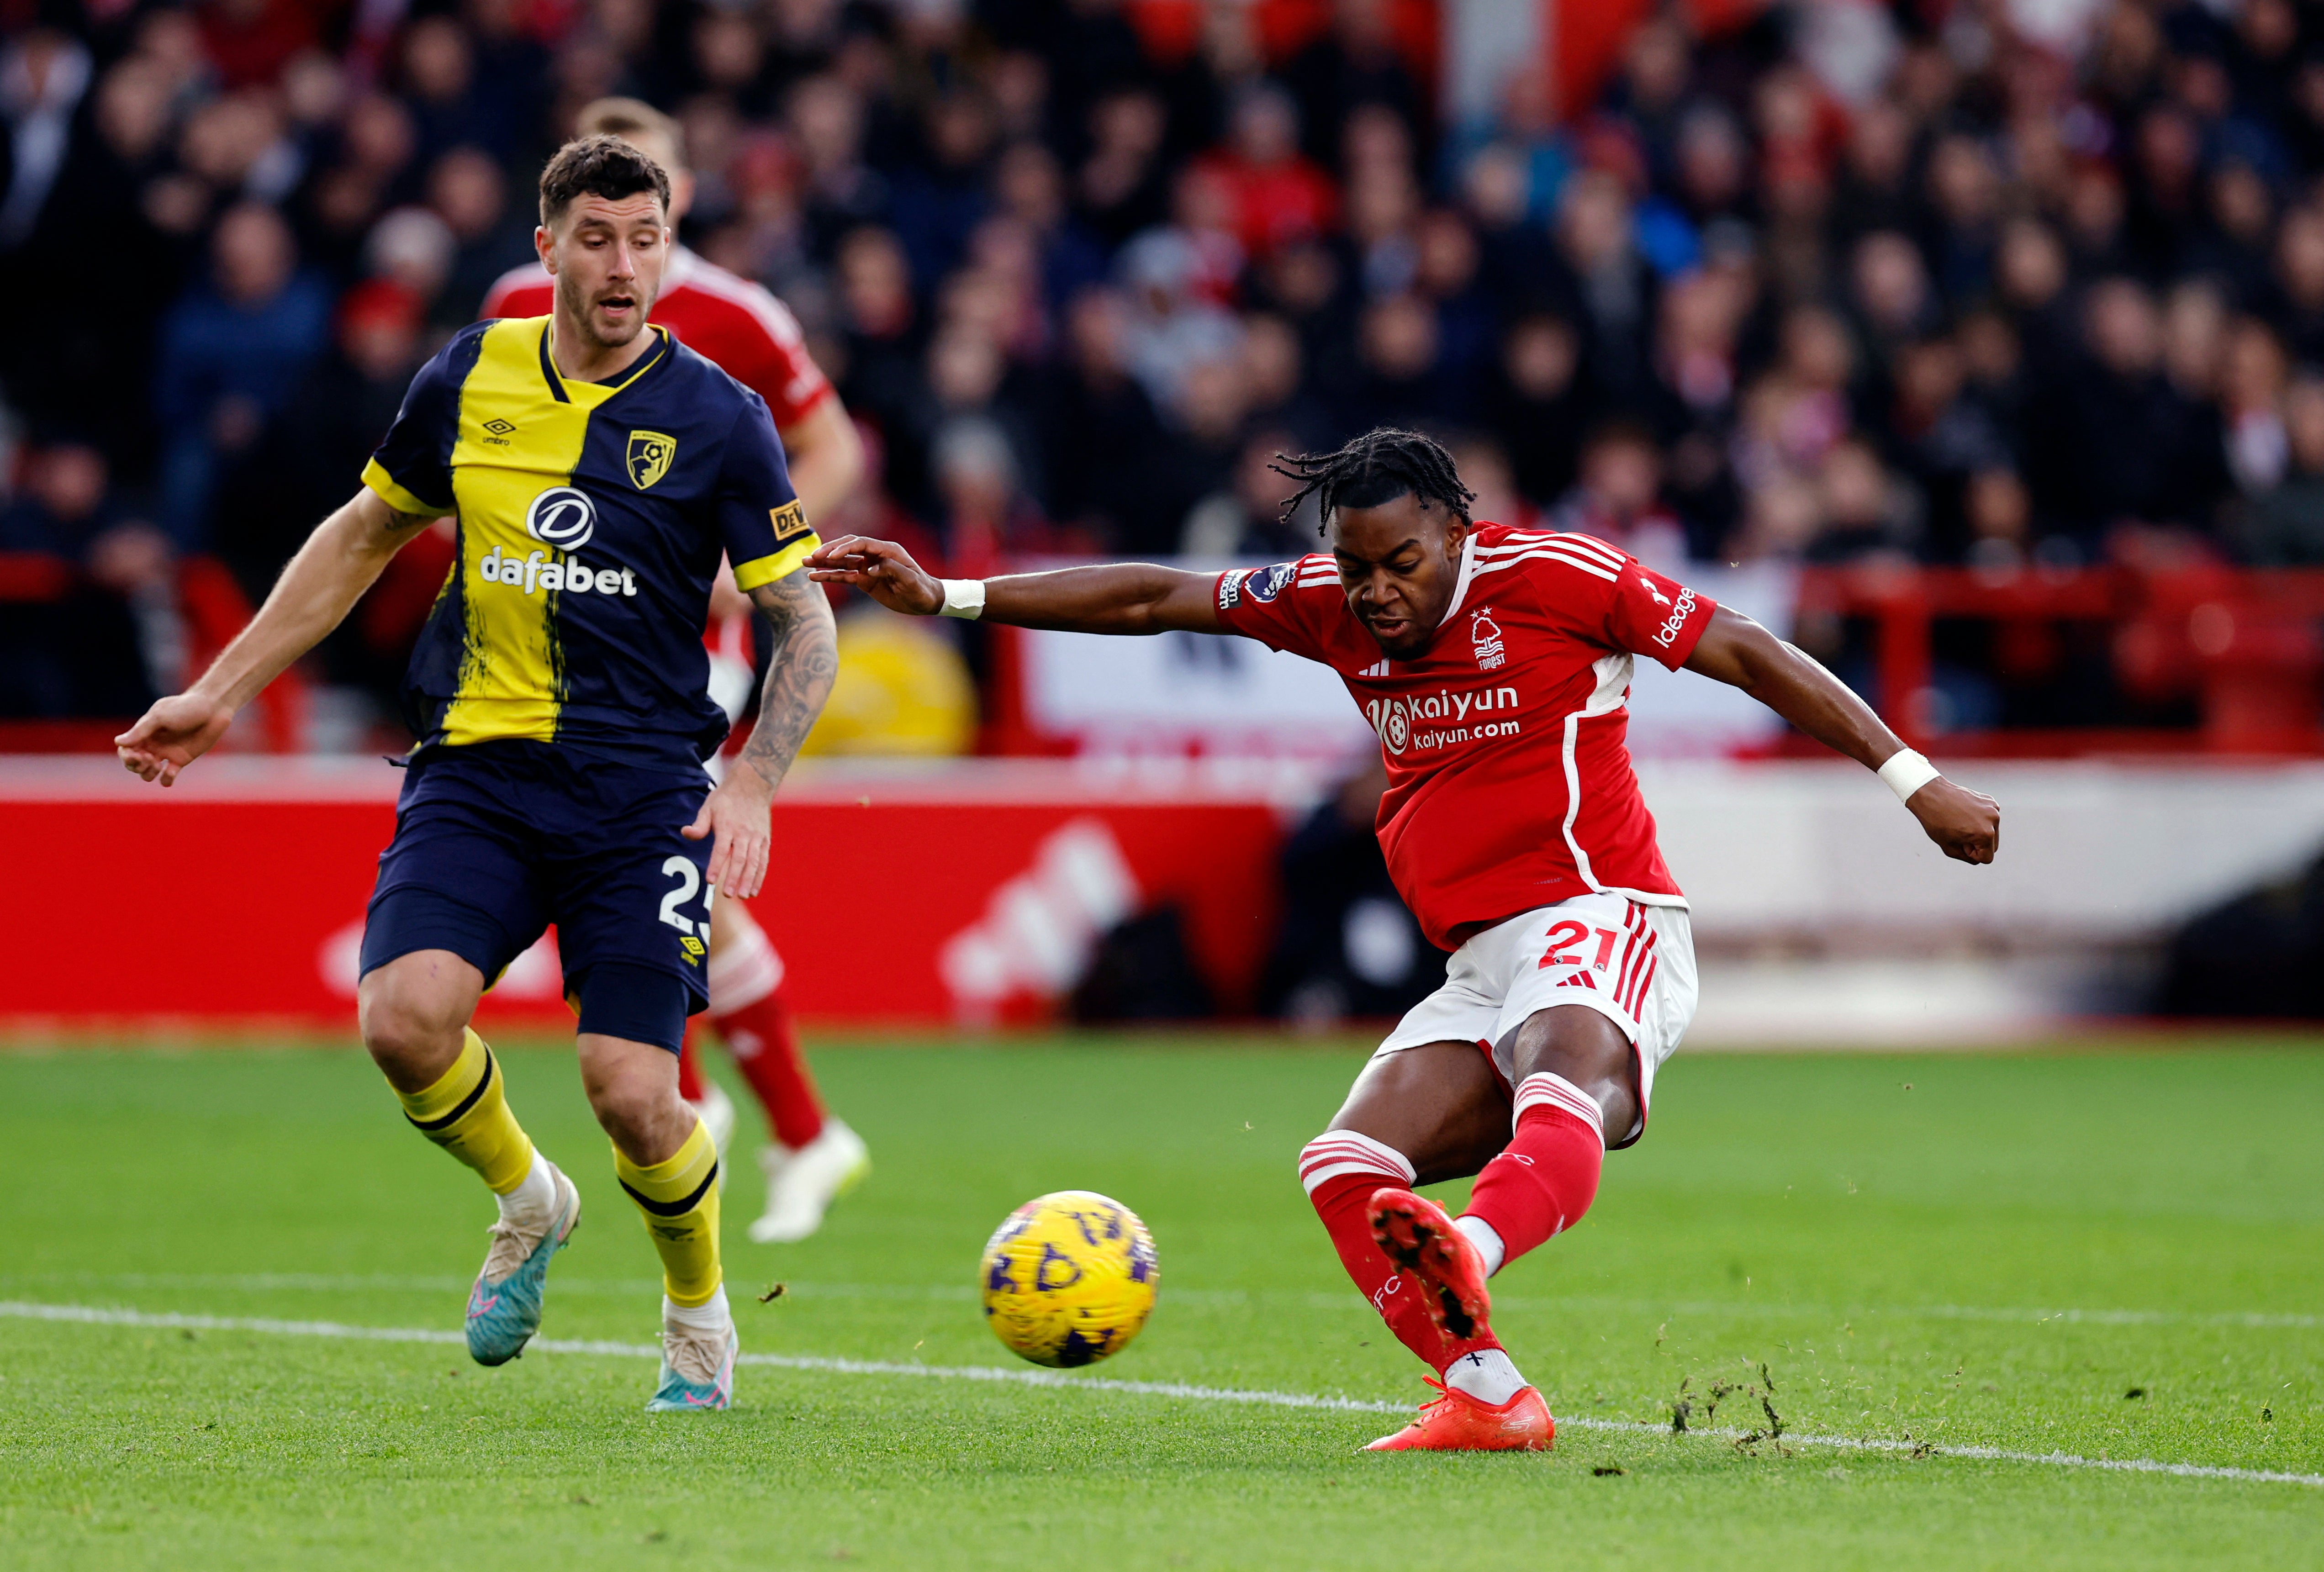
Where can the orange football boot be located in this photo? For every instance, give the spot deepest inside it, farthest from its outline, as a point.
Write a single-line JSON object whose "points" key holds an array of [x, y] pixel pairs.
{"points": [[1457, 1422], [1418, 1235]]}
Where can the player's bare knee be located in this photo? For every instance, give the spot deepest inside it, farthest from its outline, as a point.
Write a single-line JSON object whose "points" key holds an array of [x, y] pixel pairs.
{"points": [[411, 1020], [1585, 1047], [633, 1089]]}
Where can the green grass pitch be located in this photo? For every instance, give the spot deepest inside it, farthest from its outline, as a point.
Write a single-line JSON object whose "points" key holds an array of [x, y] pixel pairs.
{"points": [[2113, 1254]]}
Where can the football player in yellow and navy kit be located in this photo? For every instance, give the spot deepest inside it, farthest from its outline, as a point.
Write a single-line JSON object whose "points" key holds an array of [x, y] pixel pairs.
{"points": [[598, 470]]}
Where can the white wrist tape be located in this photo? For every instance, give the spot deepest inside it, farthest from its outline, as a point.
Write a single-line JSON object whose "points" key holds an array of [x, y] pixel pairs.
{"points": [[1907, 772], [963, 598]]}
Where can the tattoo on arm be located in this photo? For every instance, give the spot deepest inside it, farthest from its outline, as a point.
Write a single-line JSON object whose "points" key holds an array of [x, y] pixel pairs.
{"points": [[397, 523], [798, 675]]}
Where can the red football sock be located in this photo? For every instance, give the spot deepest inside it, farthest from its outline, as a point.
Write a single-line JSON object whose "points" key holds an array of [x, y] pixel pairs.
{"points": [[1546, 1178], [765, 1051], [1342, 1169], [746, 1006], [690, 1074]]}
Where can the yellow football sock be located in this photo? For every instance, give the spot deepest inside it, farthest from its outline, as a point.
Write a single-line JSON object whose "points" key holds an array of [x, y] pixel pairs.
{"points": [[680, 1199], [467, 1113]]}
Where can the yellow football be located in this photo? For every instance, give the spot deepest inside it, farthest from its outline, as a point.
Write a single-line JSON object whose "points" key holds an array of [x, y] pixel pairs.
{"points": [[1069, 1279]]}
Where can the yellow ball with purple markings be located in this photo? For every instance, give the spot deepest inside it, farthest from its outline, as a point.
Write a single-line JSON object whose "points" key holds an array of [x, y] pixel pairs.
{"points": [[1069, 1279]]}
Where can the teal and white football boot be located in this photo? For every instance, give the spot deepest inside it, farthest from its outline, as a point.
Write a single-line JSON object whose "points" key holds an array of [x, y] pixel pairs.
{"points": [[697, 1366], [505, 1305]]}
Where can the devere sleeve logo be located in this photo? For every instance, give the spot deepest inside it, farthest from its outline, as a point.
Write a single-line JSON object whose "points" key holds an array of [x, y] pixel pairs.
{"points": [[562, 518]]}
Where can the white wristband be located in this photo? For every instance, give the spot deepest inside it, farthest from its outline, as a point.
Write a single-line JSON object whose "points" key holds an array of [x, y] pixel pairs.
{"points": [[1907, 772], [963, 598]]}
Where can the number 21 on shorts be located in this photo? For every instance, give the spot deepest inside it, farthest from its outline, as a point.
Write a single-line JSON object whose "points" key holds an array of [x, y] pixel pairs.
{"points": [[1567, 934]]}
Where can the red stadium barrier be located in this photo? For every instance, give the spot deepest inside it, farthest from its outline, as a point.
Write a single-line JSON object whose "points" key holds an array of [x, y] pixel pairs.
{"points": [[2247, 646], [964, 895], [214, 609]]}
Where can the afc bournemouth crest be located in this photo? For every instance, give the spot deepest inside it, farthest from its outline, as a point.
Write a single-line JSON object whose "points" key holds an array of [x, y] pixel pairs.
{"points": [[650, 455]]}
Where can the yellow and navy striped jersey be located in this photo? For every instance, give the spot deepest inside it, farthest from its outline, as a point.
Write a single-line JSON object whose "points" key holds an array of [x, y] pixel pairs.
{"points": [[591, 518]]}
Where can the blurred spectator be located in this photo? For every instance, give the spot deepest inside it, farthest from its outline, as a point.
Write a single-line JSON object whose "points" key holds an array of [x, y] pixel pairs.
{"points": [[231, 353], [1611, 289], [1101, 472], [1123, 185], [1274, 382], [1355, 63], [1347, 947], [304, 466], [1485, 469], [1275, 194], [1618, 497], [940, 201], [42, 76], [1029, 187], [466, 191], [65, 504], [1245, 518], [842, 192], [86, 653], [1999, 518], [1857, 506], [2283, 527], [1534, 404]]}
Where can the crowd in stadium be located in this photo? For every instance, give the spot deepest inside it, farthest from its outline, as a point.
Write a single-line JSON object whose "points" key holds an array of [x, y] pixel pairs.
{"points": [[1949, 291]]}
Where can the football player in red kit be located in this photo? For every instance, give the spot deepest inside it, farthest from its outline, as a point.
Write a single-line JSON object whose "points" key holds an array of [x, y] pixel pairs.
{"points": [[749, 335], [1495, 665]]}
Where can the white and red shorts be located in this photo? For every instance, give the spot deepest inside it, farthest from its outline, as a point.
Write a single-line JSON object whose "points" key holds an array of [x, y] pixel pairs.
{"points": [[1631, 963]]}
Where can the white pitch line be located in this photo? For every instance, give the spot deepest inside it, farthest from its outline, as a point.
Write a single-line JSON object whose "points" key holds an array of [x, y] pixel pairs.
{"points": [[93, 1315], [2026, 1314]]}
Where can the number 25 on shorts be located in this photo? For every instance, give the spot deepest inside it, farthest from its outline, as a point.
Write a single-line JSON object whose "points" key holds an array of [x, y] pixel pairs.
{"points": [[689, 880]]}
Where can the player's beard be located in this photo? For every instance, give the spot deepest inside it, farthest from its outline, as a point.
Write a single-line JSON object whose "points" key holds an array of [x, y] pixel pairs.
{"points": [[582, 309]]}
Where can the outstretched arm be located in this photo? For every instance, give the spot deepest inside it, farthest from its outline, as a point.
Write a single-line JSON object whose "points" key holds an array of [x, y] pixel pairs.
{"points": [[338, 564], [799, 674], [1736, 650], [1128, 597]]}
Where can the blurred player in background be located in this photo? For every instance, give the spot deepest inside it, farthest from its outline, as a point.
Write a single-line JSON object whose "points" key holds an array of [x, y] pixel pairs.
{"points": [[750, 335], [1495, 665], [599, 470]]}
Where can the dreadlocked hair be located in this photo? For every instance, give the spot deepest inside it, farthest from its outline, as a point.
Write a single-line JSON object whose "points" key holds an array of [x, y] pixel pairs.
{"points": [[1377, 468]]}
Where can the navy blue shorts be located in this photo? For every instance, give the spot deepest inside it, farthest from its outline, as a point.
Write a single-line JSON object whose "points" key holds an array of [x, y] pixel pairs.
{"points": [[496, 841]]}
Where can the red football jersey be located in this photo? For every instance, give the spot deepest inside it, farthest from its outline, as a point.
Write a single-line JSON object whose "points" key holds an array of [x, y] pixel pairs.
{"points": [[742, 329], [1509, 783]]}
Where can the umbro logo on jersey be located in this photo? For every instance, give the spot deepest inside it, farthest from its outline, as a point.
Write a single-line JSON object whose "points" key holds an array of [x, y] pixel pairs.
{"points": [[498, 428]]}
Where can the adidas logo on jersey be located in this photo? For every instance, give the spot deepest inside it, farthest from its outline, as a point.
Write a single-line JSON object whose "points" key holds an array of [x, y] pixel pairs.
{"points": [[538, 572]]}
